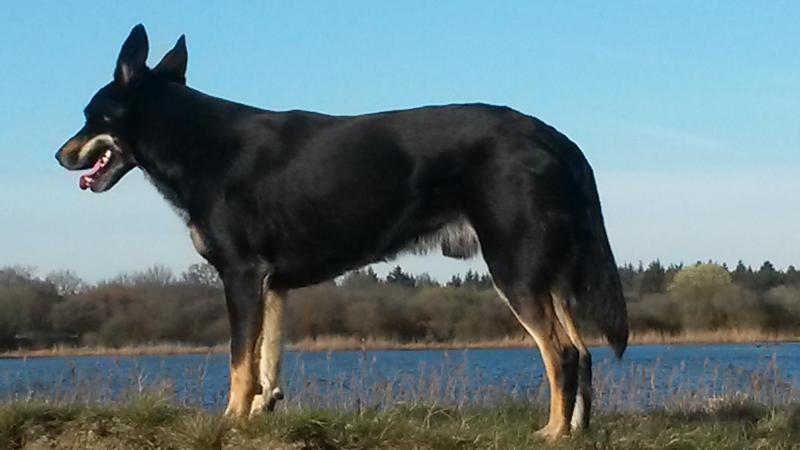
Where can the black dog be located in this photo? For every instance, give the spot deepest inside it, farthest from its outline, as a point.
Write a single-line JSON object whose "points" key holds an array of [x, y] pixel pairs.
{"points": [[280, 200]]}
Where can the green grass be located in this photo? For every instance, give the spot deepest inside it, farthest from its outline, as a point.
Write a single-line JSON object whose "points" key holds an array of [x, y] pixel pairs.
{"points": [[151, 422]]}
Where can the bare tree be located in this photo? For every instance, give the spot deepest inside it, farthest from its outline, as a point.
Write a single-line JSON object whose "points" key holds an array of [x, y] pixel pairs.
{"points": [[204, 274], [155, 275], [66, 282]]}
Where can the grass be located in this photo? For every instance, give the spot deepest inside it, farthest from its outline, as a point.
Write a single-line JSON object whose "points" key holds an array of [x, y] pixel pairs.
{"points": [[155, 423], [430, 408], [345, 343]]}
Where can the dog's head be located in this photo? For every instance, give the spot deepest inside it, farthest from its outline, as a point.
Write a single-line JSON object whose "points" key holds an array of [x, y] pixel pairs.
{"points": [[107, 142]]}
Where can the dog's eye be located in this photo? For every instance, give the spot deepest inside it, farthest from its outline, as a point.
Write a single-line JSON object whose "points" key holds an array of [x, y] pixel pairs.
{"points": [[98, 120]]}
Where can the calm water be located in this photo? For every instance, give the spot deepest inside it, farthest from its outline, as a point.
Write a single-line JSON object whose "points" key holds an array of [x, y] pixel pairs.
{"points": [[648, 376]]}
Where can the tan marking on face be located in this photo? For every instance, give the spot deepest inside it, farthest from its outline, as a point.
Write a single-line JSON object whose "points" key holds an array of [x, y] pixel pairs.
{"points": [[270, 350], [73, 145], [99, 141]]}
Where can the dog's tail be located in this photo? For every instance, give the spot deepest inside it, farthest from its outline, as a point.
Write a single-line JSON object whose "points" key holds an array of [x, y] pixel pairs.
{"points": [[600, 294]]}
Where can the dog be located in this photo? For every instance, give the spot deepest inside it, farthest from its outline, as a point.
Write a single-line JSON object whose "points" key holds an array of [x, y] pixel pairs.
{"points": [[281, 200]]}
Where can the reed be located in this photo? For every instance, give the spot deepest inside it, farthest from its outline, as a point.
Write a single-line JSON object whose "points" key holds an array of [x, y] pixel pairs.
{"points": [[351, 343], [721, 336], [444, 405], [161, 348], [364, 383]]}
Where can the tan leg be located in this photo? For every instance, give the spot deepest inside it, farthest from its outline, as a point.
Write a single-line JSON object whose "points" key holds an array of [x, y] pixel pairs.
{"points": [[243, 295], [560, 360], [581, 414], [243, 386], [559, 356], [269, 359]]}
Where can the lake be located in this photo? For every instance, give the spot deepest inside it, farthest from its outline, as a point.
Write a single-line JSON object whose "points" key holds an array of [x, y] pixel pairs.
{"points": [[647, 377]]}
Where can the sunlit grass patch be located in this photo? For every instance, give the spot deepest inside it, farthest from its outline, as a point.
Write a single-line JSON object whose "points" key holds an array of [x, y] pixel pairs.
{"points": [[24, 421], [200, 430], [168, 426]]}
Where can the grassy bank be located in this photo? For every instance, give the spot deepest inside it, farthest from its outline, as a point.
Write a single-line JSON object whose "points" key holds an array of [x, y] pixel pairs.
{"points": [[154, 423], [344, 343]]}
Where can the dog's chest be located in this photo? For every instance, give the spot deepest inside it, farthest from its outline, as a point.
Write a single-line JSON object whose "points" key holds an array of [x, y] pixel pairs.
{"points": [[198, 240]]}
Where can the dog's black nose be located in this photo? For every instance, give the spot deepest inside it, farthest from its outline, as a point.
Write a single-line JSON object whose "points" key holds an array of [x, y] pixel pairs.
{"points": [[58, 158]]}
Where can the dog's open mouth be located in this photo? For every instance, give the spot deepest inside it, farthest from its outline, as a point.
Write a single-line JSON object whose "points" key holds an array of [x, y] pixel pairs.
{"points": [[105, 160], [111, 165], [97, 171]]}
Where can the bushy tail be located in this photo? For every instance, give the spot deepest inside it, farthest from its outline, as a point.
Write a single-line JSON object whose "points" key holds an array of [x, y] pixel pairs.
{"points": [[600, 295]]}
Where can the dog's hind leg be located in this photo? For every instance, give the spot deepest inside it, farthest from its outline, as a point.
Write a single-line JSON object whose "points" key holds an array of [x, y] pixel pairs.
{"points": [[583, 403], [526, 257], [536, 314], [243, 296], [270, 350]]}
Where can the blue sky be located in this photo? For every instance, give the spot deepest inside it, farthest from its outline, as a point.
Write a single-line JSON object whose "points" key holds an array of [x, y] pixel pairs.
{"points": [[688, 111]]}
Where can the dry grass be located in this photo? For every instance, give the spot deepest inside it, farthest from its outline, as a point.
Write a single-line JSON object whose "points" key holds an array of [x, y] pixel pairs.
{"points": [[164, 349], [154, 424], [344, 343], [730, 336], [348, 343], [725, 336]]}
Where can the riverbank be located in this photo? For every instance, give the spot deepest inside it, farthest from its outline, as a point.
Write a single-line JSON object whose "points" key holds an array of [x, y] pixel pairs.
{"points": [[155, 423], [346, 343]]}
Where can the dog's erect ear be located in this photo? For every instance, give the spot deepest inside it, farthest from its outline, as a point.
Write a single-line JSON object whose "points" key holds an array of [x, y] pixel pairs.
{"points": [[131, 62], [173, 65]]}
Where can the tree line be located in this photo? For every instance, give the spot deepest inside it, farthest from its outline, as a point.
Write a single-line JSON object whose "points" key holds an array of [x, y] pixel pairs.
{"points": [[157, 305]]}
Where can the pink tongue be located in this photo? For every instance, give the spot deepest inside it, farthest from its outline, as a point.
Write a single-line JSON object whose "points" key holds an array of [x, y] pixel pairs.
{"points": [[84, 181]]}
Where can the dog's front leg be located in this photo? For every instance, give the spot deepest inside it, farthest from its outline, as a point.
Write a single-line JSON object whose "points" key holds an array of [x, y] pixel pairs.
{"points": [[269, 360], [243, 297]]}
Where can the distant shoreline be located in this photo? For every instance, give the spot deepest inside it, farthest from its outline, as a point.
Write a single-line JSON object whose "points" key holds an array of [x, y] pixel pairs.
{"points": [[344, 343]]}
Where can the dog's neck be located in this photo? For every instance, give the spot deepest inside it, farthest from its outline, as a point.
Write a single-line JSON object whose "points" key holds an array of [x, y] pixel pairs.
{"points": [[181, 145]]}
